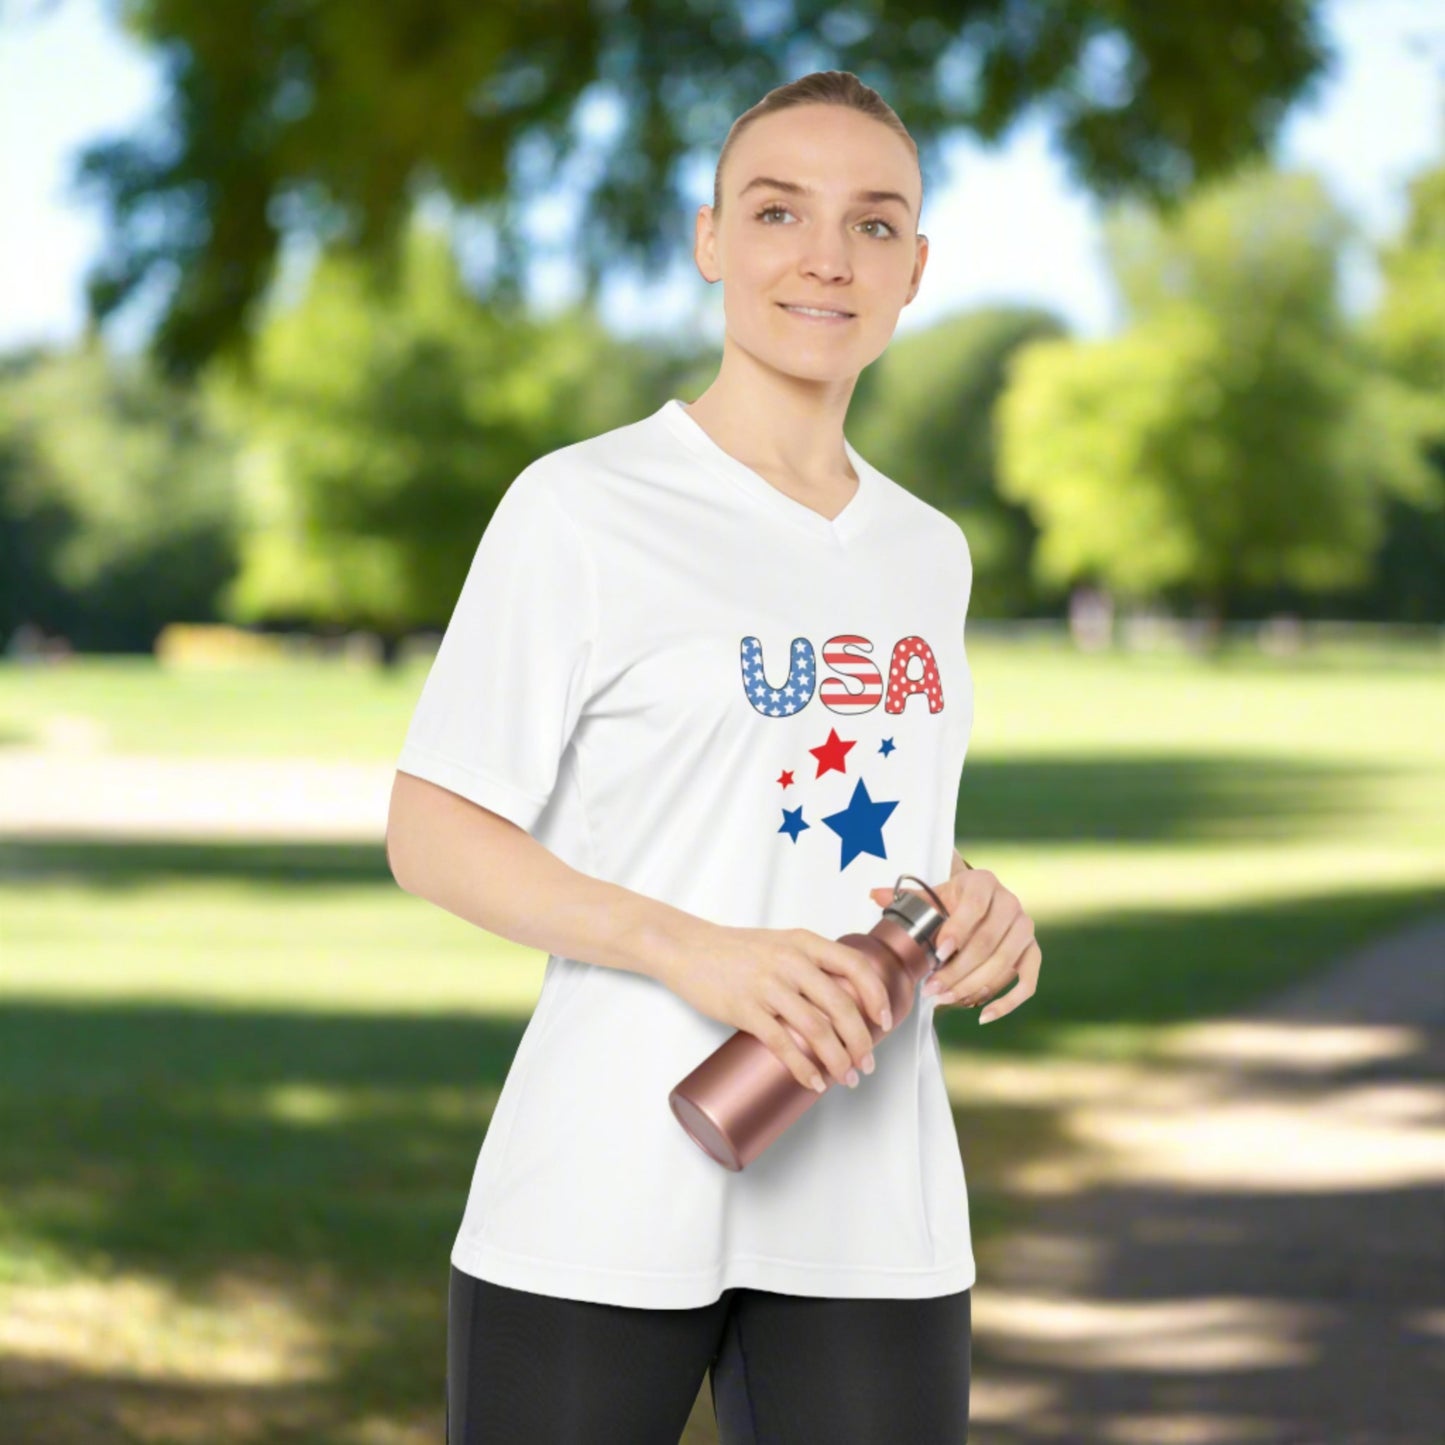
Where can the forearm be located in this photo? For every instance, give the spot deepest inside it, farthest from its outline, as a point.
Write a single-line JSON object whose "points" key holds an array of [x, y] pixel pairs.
{"points": [[484, 868]]}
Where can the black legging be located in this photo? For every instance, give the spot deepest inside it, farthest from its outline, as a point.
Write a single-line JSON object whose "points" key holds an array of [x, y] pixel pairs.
{"points": [[785, 1369]]}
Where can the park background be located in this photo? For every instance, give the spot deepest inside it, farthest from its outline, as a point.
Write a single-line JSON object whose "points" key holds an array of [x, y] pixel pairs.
{"points": [[289, 294]]}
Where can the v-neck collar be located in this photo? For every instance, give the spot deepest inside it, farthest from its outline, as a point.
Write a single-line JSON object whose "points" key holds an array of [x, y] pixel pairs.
{"points": [[847, 524]]}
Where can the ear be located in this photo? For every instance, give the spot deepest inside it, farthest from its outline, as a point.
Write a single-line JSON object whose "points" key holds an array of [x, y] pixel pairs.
{"points": [[704, 236], [920, 262]]}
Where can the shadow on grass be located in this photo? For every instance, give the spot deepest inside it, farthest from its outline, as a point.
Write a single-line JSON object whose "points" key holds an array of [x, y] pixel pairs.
{"points": [[330, 1153], [1179, 798]]}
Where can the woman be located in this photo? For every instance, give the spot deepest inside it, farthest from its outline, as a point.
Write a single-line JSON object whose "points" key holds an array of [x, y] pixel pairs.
{"points": [[704, 691]]}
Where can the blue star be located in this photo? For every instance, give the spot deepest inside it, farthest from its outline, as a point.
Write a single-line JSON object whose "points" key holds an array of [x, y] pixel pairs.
{"points": [[860, 825], [793, 823], [886, 747]]}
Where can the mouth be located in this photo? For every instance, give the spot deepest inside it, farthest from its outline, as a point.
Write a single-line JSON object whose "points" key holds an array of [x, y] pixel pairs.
{"points": [[825, 314]]}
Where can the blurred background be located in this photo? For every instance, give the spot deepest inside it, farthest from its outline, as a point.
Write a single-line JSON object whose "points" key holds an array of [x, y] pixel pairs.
{"points": [[290, 292]]}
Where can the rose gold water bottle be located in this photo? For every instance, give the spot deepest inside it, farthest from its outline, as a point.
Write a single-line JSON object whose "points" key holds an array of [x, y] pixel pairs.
{"points": [[742, 1096]]}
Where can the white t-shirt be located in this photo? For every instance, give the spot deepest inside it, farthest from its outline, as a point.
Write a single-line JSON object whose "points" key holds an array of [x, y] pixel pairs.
{"points": [[681, 680]]}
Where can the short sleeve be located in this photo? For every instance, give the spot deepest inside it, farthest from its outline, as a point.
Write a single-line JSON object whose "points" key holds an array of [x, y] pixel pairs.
{"points": [[506, 687]]}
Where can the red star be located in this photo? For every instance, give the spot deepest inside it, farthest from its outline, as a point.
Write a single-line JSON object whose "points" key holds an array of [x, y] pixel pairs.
{"points": [[832, 753], [786, 779]]}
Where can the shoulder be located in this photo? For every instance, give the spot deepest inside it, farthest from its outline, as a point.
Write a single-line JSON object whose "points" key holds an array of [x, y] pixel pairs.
{"points": [[568, 475]]}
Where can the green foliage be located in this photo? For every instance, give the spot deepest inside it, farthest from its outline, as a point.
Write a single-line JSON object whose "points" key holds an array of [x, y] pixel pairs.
{"points": [[1258, 250], [384, 417], [1407, 334], [926, 407], [326, 120], [1409, 326], [116, 501], [1234, 435]]}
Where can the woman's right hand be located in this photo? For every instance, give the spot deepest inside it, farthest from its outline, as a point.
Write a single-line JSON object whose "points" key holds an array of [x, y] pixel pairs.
{"points": [[765, 979]]}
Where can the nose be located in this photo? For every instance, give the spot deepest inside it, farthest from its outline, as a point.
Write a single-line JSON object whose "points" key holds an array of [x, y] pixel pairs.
{"points": [[826, 257]]}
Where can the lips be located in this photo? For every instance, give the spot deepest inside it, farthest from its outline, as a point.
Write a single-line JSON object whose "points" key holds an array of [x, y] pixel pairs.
{"points": [[809, 305]]}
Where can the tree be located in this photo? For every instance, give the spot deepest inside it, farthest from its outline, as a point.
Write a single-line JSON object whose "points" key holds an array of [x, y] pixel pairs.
{"points": [[326, 120], [1407, 333], [1234, 435], [924, 411], [1409, 327], [383, 422], [117, 505]]}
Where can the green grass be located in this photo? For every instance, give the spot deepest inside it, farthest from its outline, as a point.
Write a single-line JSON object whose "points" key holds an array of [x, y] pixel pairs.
{"points": [[263, 1069]]}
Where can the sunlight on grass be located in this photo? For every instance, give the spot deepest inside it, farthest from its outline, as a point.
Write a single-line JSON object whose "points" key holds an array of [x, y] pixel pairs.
{"points": [[355, 949], [238, 1330], [315, 1105]]}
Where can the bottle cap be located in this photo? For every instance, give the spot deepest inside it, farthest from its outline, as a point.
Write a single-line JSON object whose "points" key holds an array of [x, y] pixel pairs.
{"points": [[915, 913]]}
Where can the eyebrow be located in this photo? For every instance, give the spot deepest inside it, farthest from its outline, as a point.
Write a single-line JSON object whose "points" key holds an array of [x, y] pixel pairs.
{"points": [[795, 189]]}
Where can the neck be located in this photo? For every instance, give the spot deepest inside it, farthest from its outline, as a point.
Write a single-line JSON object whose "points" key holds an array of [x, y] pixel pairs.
{"points": [[781, 427]]}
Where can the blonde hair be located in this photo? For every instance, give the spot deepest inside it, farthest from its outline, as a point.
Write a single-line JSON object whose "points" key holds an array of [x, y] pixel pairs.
{"points": [[822, 87]]}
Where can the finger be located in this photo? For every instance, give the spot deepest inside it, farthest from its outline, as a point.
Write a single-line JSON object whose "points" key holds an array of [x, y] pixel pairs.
{"points": [[986, 934], [815, 1030], [970, 900], [1021, 992], [975, 928], [1031, 962], [958, 981], [1028, 983], [972, 996], [770, 1030], [854, 965], [841, 1009], [994, 978]]}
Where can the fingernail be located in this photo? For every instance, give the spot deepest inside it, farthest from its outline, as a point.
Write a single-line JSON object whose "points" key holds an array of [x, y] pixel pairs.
{"points": [[887, 1018], [852, 1077], [931, 987], [946, 949], [986, 1018], [868, 1064], [819, 1085]]}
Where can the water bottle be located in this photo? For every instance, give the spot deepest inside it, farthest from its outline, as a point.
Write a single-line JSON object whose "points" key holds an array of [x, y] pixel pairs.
{"points": [[742, 1096]]}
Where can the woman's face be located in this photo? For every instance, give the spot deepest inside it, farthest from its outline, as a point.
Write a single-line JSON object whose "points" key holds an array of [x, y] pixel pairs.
{"points": [[796, 230]]}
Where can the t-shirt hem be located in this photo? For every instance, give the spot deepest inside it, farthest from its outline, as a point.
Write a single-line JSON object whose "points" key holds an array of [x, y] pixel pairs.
{"points": [[689, 1289]]}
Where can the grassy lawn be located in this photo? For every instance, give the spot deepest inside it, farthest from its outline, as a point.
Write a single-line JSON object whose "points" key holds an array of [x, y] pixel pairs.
{"points": [[242, 1086]]}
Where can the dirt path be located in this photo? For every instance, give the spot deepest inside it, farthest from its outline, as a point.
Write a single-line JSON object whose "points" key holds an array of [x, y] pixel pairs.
{"points": [[1258, 1251], [48, 792]]}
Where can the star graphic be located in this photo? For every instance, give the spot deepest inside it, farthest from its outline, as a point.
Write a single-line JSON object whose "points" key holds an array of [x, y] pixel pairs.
{"points": [[860, 825], [886, 746], [793, 823], [795, 693], [786, 778], [831, 754]]}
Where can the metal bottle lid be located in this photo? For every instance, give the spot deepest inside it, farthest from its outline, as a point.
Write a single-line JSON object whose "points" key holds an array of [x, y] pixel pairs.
{"points": [[919, 917]]}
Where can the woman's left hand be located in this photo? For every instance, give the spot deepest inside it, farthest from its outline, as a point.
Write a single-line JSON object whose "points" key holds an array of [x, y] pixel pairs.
{"points": [[986, 941]]}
